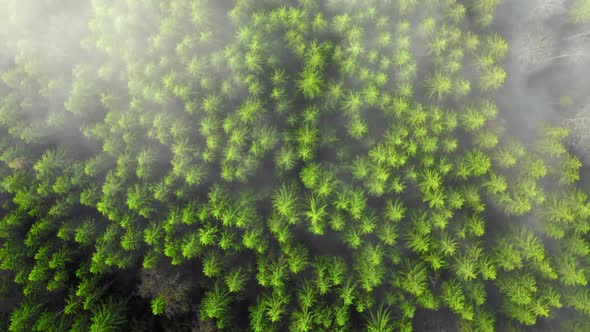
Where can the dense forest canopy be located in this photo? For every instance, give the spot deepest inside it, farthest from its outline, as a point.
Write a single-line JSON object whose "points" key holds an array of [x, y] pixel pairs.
{"points": [[294, 165]]}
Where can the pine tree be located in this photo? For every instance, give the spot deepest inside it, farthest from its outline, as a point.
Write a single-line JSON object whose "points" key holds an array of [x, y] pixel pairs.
{"points": [[22, 318], [302, 320], [285, 201], [50, 163], [215, 305], [438, 85], [275, 306], [236, 280], [492, 78], [316, 214], [310, 83], [414, 278], [108, 316], [380, 320]]}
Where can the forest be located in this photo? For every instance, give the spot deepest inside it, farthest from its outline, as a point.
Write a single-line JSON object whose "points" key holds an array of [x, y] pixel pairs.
{"points": [[294, 165]]}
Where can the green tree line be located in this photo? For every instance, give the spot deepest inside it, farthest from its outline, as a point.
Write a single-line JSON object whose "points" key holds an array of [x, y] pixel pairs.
{"points": [[279, 166]]}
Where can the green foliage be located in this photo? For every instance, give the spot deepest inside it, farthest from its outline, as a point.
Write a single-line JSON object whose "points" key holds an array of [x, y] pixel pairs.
{"points": [[333, 158], [158, 305], [316, 214], [438, 85], [236, 280], [139, 200], [414, 278], [285, 201], [492, 78], [215, 305], [579, 12], [380, 320], [50, 163], [22, 318], [108, 316], [310, 83]]}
